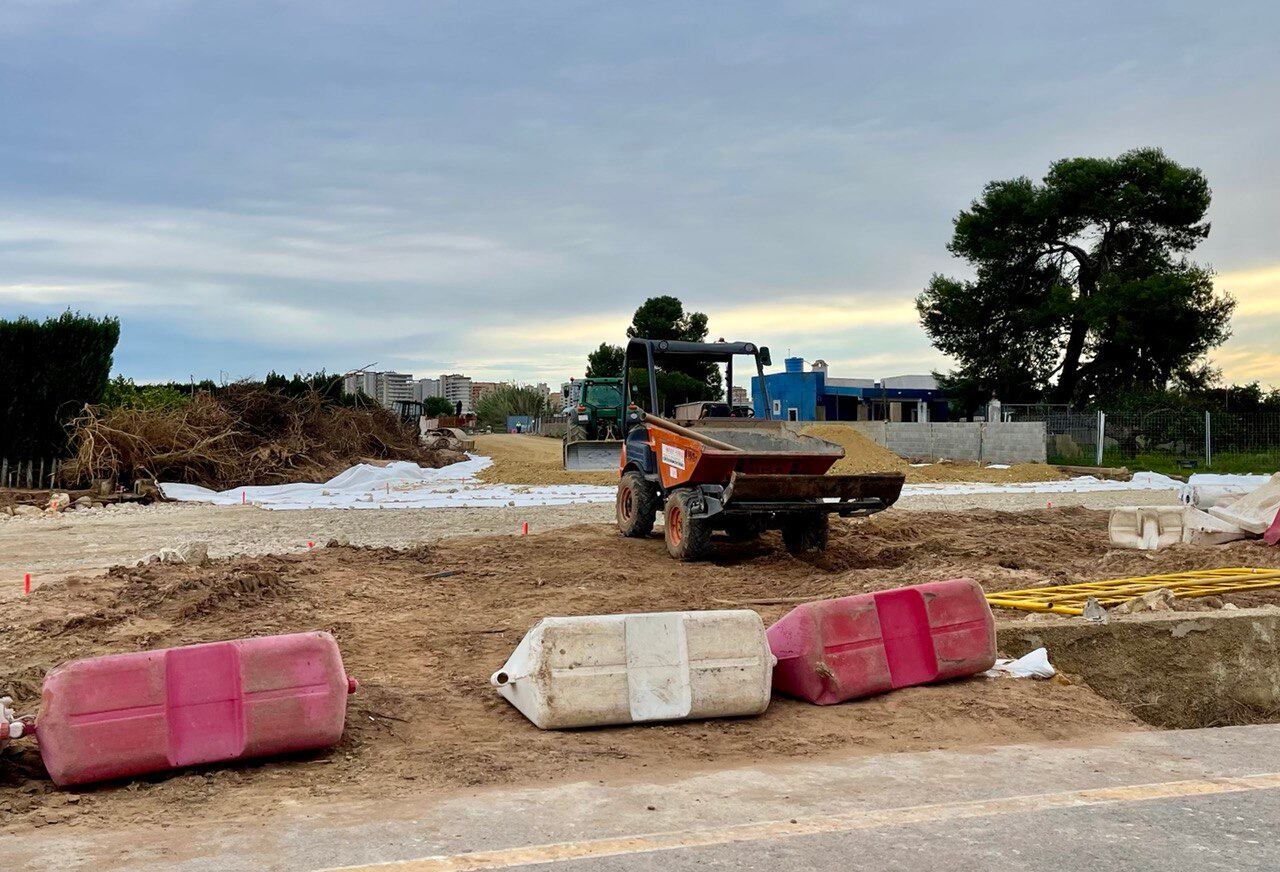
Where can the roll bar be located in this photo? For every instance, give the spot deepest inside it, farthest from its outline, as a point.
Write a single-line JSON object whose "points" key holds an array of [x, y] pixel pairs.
{"points": [[652, 352]]}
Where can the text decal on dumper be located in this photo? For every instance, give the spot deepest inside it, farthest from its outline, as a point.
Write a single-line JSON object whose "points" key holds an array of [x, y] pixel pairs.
{"points": [[673, 456]]}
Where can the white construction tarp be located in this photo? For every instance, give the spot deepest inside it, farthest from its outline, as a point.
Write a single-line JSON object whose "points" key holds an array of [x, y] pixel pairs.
{"points": [[398, 485], [403, 485]]}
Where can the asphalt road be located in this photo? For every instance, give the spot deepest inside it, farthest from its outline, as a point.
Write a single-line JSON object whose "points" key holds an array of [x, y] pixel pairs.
{"points": [[1198, 799]]}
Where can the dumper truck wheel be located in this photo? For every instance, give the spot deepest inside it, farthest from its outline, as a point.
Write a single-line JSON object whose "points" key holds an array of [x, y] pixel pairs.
{"points": [[688, 538], [637, 505], [806, 531]]}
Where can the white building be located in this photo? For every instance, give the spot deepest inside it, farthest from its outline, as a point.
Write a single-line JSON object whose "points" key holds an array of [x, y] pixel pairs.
{"points": [[384, 387], [361, 383], [424, 388], [395, 386], [457, 389]]}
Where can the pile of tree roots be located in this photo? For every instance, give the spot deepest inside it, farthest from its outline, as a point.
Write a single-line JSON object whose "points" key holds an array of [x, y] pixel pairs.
{"points": [[241, 435]]}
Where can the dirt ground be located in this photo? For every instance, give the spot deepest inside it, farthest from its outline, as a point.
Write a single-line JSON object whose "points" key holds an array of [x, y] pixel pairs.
{"points": [[864, 455], [523, 459], [519, 459], [426, 720]]}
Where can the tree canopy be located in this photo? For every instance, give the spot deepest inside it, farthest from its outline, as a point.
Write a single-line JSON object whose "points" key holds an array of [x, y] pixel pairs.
{"points": [[1082, 289], [664, 317], [605, 361], [52, 370]]}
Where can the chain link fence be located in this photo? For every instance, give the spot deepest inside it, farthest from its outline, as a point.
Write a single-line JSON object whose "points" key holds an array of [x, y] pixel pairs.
{"points": [[1159, 440]]}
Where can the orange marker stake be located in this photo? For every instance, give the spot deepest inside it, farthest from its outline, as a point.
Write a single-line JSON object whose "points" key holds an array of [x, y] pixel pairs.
{"points": [[26, 584], [524, 529]]}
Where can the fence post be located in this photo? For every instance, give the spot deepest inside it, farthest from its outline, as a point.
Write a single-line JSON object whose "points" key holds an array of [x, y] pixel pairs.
{"points": [[4, 472], [1208, 440], [1102, 436]]}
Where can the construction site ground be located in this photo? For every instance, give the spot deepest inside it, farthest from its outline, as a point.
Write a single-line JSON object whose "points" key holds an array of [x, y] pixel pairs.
{"points": [[423, 628]]}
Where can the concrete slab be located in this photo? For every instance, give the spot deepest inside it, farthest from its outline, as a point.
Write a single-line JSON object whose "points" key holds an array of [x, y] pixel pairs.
{"points": [[1140, 799]]}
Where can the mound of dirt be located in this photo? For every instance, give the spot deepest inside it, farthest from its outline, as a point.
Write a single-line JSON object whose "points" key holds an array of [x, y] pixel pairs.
{"points": [[524, 459], [865, 455], [860, 453]]}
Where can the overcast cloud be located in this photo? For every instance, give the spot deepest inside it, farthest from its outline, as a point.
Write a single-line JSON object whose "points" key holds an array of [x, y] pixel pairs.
{"points": [[492, 188]]}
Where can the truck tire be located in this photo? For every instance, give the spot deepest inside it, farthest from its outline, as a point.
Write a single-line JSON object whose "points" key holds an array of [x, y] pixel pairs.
{"points": [[688, 538], [805, 532], [575, 433], [637, 505], [744, 529]]}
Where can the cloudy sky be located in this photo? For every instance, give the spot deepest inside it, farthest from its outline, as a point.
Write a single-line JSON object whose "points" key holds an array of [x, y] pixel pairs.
{"points": [[492, 188]]}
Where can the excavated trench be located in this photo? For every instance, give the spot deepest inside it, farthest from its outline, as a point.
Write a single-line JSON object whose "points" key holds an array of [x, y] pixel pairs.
{"points": [[1176, 670]]}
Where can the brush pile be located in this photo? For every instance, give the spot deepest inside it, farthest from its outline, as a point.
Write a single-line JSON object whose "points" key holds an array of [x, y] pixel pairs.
{"points": [[245, 434]]}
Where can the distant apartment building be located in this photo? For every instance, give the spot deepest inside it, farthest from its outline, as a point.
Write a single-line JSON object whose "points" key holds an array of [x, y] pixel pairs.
{"points": [[425, 388], [740, 396], [457, 389], [361, 383], [385, 388], [395, 387]]}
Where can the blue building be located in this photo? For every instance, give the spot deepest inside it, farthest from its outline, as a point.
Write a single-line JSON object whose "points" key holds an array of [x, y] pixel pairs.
{"points": [[796, 395]]}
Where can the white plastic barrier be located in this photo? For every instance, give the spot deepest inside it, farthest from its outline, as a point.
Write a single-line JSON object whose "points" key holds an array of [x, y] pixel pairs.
{"points": [[620, 669], [1151, 528], [1254, 511]]}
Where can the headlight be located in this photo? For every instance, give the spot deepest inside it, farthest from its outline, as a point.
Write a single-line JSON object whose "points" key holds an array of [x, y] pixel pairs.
{"points": [[584, 417]]}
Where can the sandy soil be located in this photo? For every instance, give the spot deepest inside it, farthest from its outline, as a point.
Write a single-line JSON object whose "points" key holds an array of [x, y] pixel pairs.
{"points": [[532, 460], [538, 460], [423, 648], [864, 455], [51, 547]]}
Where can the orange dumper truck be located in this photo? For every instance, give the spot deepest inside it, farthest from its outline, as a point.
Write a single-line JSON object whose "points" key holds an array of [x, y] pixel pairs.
{"points": [[733, 475]]}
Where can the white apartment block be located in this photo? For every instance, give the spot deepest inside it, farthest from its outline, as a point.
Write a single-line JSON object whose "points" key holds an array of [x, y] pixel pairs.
{"points": [[457, 389], [425, 388], [384, 387]]}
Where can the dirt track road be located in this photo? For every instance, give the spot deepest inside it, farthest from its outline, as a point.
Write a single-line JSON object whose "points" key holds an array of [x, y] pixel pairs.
{"points": [[51, 548]]}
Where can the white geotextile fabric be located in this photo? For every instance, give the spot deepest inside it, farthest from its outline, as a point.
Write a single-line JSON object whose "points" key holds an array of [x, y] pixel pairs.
{"points": [[398, 485], [404, 485]]}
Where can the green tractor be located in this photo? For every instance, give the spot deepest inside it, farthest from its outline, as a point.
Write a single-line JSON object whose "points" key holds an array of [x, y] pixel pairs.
{"points": [[593, 436]]}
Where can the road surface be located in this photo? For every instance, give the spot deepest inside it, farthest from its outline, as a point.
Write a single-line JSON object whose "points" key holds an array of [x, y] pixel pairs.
{"points": [[1197, 799]]}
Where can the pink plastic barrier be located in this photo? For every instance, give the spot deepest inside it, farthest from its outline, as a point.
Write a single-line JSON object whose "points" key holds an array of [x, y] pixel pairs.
{"points": [[839, 649], [126, 714], [1272, 536]]}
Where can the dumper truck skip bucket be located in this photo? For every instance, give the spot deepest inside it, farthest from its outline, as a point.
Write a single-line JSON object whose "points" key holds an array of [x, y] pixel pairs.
{"points": [[592, 455]]}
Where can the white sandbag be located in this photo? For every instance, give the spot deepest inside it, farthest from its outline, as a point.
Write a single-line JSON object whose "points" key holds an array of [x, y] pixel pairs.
{"points": [[1151, 528], [620, 669], [1255, 511]]}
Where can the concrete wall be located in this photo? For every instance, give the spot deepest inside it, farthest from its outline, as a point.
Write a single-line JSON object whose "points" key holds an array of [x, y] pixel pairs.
{"points": [[1017, 442]]}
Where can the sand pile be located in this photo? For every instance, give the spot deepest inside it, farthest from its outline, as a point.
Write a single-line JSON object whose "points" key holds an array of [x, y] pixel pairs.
{"points": [[523, 459], [864, 455]]}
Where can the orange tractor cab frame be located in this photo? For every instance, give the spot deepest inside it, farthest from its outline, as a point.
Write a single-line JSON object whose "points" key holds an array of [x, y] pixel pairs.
{"points": [[738, 476]]}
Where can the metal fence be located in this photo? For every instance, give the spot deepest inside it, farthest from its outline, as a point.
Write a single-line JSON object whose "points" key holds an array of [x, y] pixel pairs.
{"points": [[1158, 439]]}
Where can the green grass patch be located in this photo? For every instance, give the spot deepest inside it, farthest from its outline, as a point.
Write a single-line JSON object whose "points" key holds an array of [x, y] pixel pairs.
{"points": [[1265, 462]]}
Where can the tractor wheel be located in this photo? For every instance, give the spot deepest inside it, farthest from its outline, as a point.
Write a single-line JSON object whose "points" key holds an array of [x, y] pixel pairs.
{"points": [[575, 433], [806, 532], [688, 538], [744, 529], [637, 505]]}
